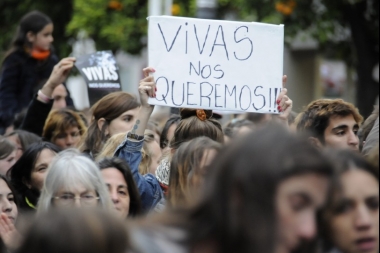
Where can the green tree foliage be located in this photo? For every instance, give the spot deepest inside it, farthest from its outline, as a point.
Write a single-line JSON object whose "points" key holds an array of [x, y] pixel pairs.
{"points": [[112, 24], [11, 12]]}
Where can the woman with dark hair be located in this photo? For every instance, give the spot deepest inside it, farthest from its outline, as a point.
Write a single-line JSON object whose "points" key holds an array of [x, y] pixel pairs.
{"points": [[22, 139], [7, 155], [121, 186], [76, 231], [262, 195], [29, 61], [9, 213], [350, 220], [28, 174], [113, 114], [168, 131]]}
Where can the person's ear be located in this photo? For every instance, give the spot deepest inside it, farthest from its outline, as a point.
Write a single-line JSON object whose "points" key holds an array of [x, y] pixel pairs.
{"points": [[25, 182], [31, 37], [101, 123], [315, 142]]}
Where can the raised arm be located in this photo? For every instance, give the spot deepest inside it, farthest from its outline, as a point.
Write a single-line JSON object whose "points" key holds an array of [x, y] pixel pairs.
{"points": [[130, 150], [40, 106], [147, 88]]}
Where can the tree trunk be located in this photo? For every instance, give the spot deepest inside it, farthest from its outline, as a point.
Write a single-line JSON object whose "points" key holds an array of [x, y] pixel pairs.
{"points": [[367, 57]]}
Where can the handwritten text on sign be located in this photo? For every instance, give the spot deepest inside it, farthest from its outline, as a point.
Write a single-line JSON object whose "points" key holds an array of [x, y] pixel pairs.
{"points": [[218, 65]]}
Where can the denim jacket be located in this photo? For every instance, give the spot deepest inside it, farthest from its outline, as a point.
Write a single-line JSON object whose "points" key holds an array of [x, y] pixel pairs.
{"points": [[149, 188]]}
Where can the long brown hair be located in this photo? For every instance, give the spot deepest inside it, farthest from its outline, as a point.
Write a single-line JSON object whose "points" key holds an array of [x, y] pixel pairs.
{"points": [[186, 163], [109, 107]]}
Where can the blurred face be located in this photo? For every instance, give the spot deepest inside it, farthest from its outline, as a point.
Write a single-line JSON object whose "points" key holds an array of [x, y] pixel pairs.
{"points": [[298, 200], [124, 123], [59, 95], [38, 174], [80, 197], [7, 202], [118, 190], [354, 222], [68, 139], [7, 163], [156, 154], [169, 137], [42, 40], [244, 131], [19, 150], [208, 157], [342, 133]]}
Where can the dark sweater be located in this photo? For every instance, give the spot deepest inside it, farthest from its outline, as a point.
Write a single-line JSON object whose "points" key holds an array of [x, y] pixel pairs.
{"points": [[20, 78]]}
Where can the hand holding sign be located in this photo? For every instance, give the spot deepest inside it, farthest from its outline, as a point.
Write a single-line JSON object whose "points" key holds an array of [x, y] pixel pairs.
{"points": [[285, 104], [147, 88], [204, 64]]}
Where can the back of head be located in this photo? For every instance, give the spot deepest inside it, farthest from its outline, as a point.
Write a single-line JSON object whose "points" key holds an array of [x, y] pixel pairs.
{"points": [[196, 123], [109, 108], [59, 121], [26, 138], [315, 118], [6, 147], [240, 193], [71, 170], [76, 231], [233, 127]]}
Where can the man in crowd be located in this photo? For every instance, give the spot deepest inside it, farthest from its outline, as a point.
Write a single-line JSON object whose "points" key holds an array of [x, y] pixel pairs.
{"points": [[331, 123]]}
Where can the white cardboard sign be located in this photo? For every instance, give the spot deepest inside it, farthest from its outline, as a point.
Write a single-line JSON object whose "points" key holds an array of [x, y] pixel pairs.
{"points": [[218, 65]]}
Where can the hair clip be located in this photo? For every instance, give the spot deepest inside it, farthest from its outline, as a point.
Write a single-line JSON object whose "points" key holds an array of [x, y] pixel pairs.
{"points": [[201, 114]]}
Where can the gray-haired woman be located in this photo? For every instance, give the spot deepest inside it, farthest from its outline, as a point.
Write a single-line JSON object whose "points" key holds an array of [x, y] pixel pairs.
{"points": [[73, 180]]}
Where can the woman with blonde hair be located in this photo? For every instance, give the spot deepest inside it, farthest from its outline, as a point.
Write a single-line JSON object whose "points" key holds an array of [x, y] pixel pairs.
{"points": [[73, 180], [151, 152], [113, 114], [64, 128]]}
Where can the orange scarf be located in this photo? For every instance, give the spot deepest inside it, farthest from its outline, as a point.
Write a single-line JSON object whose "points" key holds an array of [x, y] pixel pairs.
{"points": [[40, 55]]}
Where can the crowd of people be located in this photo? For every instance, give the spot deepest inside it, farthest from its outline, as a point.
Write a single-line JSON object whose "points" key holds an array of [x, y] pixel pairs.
{"points": [[123, 181]]}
